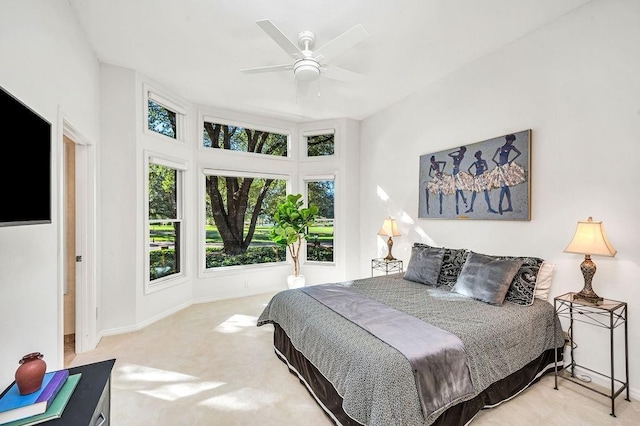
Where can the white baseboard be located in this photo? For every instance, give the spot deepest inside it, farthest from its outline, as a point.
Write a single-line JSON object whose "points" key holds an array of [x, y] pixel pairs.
{"points": [[145, 323], [238, 294], [173, 310]]}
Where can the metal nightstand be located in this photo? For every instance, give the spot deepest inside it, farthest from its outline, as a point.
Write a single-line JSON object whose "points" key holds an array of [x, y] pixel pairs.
{"points": [[386, 266], [607, 314]]}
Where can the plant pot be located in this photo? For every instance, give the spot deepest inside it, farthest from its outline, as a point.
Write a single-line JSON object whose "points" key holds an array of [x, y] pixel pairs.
{"points": [[30, 373], [295, 281]]}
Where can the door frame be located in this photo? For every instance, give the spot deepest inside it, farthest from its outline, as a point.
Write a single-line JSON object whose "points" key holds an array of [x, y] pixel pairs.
{"points": [[85, 187]]}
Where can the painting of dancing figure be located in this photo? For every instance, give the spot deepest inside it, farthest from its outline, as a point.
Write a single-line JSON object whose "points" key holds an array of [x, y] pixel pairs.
{"points": [[438, 184], [453, 180]]}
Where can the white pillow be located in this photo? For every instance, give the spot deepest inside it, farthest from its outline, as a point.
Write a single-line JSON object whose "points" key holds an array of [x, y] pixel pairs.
{"points": [[543, 280]]}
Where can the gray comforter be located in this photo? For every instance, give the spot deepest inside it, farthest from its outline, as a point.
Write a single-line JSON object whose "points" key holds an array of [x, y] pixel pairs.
{"points": [[375, 380]]}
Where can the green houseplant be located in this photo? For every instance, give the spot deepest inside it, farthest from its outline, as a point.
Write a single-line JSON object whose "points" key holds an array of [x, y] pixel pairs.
{"points": [[291, 223]]}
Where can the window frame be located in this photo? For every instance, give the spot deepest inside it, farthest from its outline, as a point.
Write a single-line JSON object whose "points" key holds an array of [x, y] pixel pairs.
{"points": [[182, 168], [244, 124], [317, 178], [172, 105], [205, 272], [305, 134]]}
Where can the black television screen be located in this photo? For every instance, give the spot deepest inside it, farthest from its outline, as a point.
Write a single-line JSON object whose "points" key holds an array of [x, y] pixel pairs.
{"points": [[25, 175]]}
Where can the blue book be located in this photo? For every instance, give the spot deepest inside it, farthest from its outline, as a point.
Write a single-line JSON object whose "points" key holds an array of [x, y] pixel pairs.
{"points": [[14, 406], [57, 406]]}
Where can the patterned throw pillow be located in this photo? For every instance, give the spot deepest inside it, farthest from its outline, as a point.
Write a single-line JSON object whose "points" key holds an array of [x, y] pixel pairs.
{"points": [[522, 288], [424, 265], [452, 263]]}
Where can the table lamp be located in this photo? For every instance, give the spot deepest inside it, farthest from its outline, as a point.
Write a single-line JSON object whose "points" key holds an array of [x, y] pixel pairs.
{"points": [[590, 239], [390, 230]]}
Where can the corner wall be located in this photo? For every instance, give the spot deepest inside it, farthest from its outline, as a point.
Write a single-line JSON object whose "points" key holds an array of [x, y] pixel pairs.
{"points": [[574, 83], [47, 63]]}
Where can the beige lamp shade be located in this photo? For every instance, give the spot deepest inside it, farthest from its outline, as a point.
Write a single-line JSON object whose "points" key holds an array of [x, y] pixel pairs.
{"points": [[590, 239], [389, 228]]}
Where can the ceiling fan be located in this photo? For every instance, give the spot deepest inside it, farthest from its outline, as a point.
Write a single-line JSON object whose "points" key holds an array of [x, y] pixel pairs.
{"points": [[309, 64]]}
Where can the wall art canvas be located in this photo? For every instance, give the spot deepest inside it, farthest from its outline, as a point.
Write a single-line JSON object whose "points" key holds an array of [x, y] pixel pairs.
{"points": [[487, 180]]}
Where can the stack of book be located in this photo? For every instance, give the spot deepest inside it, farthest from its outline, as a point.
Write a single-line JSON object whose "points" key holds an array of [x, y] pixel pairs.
{"points": [[47, 403]]}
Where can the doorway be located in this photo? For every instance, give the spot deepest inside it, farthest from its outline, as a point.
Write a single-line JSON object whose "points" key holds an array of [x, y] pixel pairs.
{"points": [[77, 240], [69, 306]]}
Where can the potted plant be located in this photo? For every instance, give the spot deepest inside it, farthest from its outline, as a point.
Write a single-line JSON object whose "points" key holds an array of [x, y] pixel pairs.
{"points": [[291, 224]]}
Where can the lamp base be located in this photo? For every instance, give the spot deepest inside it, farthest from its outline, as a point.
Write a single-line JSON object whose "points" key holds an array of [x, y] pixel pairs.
{"points": [[588, 269], [590, 297], [389, 246]]}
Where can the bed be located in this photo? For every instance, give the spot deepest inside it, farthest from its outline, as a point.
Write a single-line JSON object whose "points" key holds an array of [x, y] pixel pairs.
{"points": [[390, 350]]}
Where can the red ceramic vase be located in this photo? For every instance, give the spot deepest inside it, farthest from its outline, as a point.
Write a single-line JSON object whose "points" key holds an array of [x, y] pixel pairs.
{"points": [[30, 373]]}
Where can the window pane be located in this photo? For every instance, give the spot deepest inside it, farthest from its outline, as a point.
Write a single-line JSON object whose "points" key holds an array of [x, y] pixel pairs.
{"points": [[239, 212], [320, 145], [320, 241], [164, 254], [163, 203], [164, 222], [162, 120], [236, 138]]}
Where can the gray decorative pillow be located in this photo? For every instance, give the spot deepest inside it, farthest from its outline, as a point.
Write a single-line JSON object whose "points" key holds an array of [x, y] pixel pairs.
{"points": [[424, 265], [452, 263], [486, 278], [522, 288]]}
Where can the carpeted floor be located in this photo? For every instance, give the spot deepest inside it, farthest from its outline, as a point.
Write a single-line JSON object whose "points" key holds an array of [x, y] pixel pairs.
{"points": [[210, 365]]}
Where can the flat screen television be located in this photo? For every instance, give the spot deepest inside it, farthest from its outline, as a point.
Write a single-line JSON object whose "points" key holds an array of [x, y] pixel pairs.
{"points": [[25, 175]]}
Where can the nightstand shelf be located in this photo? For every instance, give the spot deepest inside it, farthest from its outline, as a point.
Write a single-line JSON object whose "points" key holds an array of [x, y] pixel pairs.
{"points": [[386, 266], [608, 314]]}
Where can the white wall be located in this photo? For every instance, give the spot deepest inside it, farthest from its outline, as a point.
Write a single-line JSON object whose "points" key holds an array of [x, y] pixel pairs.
{"points": [[223, 284], [118, 198], [45, 62], [124, 305], [575, 84], [344, 165]]}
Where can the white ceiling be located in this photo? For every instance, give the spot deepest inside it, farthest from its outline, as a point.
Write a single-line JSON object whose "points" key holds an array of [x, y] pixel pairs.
{"points": [[196, 48]]}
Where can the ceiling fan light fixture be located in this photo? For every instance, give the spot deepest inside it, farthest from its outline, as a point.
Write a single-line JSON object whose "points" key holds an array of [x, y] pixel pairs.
{"points": [[307, 65], [307, 69]]}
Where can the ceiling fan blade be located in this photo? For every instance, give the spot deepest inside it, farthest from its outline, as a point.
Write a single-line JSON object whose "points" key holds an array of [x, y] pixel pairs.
{"points": [[341, 43], [341, 74], [287, 45], [270, 68]]}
